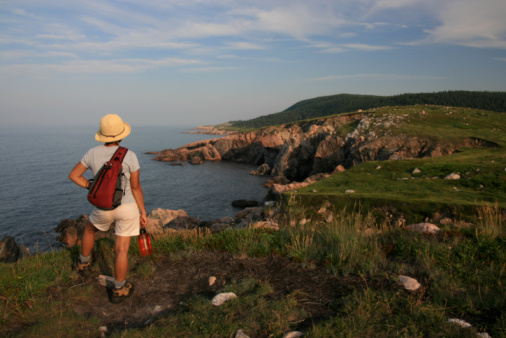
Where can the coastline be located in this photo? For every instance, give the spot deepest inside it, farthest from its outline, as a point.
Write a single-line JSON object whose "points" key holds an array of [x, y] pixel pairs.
{"points": [[211, 130]]}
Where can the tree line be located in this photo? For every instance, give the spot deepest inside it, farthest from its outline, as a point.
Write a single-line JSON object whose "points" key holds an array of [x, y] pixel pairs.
{"points": [[343, 103]]}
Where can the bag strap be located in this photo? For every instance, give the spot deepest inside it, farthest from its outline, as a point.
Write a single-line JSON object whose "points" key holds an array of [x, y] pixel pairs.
{"points": [[121, 153]]}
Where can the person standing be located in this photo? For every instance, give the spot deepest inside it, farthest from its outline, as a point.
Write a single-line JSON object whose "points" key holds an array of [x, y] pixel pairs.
{"points": [[126, 216]]}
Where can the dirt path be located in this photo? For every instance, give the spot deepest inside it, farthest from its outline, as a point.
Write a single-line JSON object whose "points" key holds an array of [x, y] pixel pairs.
{"points": [[175, 279]]}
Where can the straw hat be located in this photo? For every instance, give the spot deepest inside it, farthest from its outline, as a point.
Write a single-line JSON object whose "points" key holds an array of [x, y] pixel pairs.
{"points": [[112, 129]]}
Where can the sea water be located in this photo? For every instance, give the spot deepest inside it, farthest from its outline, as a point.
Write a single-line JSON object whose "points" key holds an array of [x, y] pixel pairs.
{"points": [[36, 194]]}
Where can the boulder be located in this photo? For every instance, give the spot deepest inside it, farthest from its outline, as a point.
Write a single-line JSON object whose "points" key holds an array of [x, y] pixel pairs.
{"points": [[250, 213], [158, 218], [426, 228], [182, 223], [262, 170], [270, 225], [244, 203], [71, 231], [10, 252]]}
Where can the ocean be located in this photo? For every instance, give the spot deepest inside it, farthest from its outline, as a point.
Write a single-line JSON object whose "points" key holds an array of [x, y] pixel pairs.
{"points": [[36, 194]]}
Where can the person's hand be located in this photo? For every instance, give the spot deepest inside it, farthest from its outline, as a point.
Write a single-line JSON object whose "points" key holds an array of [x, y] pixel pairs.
{"points": [[143, 220]]}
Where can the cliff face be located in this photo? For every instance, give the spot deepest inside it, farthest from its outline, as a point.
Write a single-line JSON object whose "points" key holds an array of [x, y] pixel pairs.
{"points": [[298, 150]]}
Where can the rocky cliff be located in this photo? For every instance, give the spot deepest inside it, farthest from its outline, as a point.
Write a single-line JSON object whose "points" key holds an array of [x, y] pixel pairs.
{"points": [[299, 150]]}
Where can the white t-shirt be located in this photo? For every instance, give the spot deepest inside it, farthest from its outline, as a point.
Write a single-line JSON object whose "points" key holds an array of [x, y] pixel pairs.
{"points": [[95, 158]]}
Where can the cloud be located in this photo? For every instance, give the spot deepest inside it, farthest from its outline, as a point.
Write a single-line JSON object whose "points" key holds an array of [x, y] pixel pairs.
{"points": [[471, 23], [327, 47], [243, 46], [207, 69], [97, 66]]}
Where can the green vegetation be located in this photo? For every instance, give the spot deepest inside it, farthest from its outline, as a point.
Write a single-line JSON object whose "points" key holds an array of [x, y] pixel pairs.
{"points": [[343, 103], [462, 272], [418, 195]]}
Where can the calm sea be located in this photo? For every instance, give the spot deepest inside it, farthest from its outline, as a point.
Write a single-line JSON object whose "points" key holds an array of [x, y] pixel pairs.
{"points": [[36, 194]]}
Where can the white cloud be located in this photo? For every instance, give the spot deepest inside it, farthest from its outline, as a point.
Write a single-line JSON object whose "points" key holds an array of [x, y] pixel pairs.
{"points": [[96, 66], [242, 45], [472, 23], [207, 69]]}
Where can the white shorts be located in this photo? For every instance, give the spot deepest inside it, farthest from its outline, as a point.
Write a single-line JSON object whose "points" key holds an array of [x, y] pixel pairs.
{"points": [[126, 219]]}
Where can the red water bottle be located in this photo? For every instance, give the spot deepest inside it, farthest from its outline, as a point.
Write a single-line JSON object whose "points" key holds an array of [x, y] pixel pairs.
{"points": [[144, 243]]}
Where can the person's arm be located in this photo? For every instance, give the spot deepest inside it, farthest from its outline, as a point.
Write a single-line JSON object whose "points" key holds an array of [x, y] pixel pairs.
{"points": [[76, 175], [135, 184]]}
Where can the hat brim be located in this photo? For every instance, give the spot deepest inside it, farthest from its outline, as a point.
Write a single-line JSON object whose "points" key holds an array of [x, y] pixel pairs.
{"points": [[106, 139]]}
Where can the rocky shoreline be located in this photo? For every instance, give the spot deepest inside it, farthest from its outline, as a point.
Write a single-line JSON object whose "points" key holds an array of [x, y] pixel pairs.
{"points": [[303, 152]]}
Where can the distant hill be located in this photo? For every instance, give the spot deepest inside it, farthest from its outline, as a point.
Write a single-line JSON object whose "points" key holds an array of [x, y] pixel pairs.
{"points": [[343, 103]]}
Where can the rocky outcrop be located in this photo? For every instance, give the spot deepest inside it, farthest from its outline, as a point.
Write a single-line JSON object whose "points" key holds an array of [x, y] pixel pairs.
{"points": [[10, 251], [299, 150]]}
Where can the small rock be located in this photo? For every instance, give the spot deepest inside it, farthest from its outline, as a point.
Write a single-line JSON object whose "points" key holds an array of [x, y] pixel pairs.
{"points": [[221, 298], [241, 334], [459, 322], [293, 334], [104, 280], [212, 280], [157, 309], [266, 225], [452, 176], [378, 167], [339, 169], [103, 331], [416, 171], [424, 228], [330, 217], [409, 283], [349, 191]]}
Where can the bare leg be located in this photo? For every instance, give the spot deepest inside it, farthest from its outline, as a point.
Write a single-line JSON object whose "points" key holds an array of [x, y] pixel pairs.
{"points": [[88, 239], [121, 264]]}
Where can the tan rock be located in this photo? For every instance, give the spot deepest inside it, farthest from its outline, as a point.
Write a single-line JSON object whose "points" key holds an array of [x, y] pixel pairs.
{"points": [[427, 228], [158, 218], [409, 283]]}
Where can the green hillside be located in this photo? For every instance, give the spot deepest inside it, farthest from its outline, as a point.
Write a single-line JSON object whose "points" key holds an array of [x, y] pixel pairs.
{"points": [[342, 103], [380, 184]]}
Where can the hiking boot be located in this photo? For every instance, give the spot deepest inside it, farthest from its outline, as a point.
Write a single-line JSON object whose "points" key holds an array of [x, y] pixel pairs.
{"points": [[116, 296], [84, 269]]}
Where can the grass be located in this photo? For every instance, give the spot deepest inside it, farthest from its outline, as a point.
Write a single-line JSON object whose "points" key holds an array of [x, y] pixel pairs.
{"points": [[483, 180], [462, 270]]}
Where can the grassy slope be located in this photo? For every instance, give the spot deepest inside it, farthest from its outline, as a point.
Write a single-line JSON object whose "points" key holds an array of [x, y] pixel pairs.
{"points": [[483, 175]]}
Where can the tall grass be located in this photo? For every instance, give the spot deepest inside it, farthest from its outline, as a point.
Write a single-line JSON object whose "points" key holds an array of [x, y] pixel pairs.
{"points": [[344, 244]]}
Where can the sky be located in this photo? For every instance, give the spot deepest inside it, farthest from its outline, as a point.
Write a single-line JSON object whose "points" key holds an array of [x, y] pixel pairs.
{"points": [[200, 62]]}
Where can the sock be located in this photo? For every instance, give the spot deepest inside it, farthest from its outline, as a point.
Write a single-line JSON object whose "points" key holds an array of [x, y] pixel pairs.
{"points": [[119, 285], [84, 259]]}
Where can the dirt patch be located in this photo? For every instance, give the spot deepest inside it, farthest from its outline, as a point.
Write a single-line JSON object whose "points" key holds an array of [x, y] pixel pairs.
{"points": [[175, 279]]}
